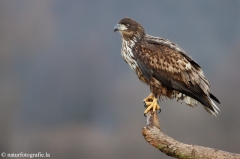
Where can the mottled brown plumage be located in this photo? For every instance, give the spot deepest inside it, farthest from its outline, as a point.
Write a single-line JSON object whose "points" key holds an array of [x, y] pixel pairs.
{"points": [[165, 67]]}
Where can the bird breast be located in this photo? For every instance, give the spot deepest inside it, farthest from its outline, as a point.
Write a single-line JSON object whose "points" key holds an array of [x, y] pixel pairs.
{"points": [[127, 53]]}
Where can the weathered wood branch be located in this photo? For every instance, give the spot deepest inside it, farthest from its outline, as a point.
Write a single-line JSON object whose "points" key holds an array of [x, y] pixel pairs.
{"points": [[171, 147]]}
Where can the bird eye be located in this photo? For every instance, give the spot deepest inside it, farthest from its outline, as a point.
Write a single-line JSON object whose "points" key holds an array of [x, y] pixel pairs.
{"points": [[127, 25]]}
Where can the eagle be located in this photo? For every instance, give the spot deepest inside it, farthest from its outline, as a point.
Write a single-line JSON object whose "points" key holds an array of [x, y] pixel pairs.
{"points": [[165, 67]]}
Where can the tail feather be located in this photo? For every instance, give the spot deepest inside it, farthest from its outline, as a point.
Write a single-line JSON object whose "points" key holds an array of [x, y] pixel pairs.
{"points": [[206, 101], [213, 109], [214, 98]]}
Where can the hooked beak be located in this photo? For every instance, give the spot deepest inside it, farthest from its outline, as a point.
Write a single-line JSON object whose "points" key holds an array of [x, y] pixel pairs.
{"points": [[119, 27]]}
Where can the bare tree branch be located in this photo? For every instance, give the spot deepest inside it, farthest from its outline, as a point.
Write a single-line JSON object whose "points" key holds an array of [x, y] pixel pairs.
{"points": [[171, 147]]}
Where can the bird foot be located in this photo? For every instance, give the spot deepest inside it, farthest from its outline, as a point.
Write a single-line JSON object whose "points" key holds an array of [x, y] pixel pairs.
{"points": [[151, 102]]}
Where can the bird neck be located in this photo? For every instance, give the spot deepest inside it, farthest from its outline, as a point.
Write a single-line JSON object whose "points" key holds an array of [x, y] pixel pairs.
{"points": [[134, 38]]}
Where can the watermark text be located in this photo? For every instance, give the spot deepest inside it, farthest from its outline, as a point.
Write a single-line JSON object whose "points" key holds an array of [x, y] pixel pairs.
{"points": [[27, 155]]}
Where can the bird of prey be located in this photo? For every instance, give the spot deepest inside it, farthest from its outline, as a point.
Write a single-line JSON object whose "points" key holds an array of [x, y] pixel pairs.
{"points": [[165, 67]]}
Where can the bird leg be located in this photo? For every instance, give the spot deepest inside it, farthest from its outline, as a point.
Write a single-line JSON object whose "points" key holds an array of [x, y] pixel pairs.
{"points": [[151, 102]]}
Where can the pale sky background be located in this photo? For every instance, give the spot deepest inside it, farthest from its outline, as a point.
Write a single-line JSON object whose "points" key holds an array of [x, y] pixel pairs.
{"points": [[66, 90]]}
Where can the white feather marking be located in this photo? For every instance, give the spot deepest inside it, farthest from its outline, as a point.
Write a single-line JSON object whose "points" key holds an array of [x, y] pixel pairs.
{"points": [[179, 95], [188, 66], [190, 101], [127, 53], [216, 109]]}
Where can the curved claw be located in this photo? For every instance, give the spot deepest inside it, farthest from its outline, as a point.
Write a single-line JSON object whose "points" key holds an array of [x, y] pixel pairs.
{"points": [[145, 114], [144, 104], [159, 111]]}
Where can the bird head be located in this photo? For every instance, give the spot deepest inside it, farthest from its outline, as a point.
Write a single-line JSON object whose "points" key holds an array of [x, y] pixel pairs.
{"points": [[129, 29]]}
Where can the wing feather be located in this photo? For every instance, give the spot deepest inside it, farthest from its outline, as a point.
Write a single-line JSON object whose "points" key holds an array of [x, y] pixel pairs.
{"points": [[166, 42], [144, 69], [168, 63]]}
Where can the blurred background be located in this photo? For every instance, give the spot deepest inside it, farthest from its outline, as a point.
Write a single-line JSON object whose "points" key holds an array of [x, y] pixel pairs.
{"points": [[66, 90]]}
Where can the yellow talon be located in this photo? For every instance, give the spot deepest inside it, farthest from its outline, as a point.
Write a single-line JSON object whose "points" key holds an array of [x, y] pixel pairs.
{"points": [[151, 102]]}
